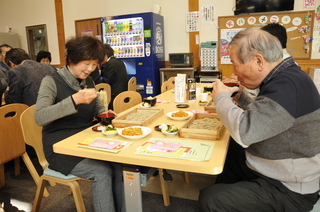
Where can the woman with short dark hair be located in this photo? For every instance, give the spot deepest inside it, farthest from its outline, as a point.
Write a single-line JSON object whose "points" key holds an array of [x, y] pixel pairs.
{"points": [[63, 110]]}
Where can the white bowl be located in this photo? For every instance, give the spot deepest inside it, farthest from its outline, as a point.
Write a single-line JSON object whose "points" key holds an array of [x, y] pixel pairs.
{"points": [[144, 105], [145, 131], [169, 134], [179, 118], [110, 133]]}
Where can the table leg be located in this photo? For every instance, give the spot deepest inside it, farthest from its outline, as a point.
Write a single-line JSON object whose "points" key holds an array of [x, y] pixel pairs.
{"points": [[132, 190]]}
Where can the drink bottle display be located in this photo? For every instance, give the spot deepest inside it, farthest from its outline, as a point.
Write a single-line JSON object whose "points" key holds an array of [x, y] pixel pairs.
{"points": [[124, 35], [138, 41]]}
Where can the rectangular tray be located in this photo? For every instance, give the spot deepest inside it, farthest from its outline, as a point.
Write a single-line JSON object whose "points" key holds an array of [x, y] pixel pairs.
{"points": [[185, 132], [121, 121], [210, 107]]}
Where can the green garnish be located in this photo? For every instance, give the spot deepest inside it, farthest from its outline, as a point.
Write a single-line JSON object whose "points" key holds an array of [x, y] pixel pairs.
{"points": [[172, 128], [109, 128]]}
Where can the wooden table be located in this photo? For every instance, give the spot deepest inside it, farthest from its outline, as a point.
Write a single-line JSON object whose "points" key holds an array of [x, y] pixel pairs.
{"points": [[212, 167]]}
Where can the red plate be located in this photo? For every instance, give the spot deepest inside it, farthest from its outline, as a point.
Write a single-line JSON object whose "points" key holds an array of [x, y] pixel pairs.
{"points": [[95, 128]]}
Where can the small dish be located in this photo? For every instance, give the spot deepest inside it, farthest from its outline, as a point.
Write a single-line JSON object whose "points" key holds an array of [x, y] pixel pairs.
{"points": [[182, 105], [110, 133], [145, 105], [151, 100], [157, 128], [179, 118], [203, 104], [145, 131], [169, 134], [98, 128]]}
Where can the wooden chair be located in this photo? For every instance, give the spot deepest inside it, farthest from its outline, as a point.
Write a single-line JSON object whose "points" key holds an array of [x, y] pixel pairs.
{"points": [[12, 145], [171, 80], [125, 100], [32, 134], [132, 84], [106, 87], [166, 85]]}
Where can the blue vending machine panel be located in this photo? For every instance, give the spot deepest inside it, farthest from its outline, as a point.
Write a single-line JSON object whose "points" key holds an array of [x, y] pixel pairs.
{"points": [[138, 40]]}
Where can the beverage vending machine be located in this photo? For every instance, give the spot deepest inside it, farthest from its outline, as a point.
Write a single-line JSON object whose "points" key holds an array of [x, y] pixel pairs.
{"points": [[138, 40]]}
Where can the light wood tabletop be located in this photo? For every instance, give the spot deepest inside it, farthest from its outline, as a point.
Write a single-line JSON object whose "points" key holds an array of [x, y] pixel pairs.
{"points": [[213, 167]]}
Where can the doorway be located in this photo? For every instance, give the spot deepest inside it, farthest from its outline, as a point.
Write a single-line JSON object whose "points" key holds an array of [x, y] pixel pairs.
{"points": [[37, 39]]}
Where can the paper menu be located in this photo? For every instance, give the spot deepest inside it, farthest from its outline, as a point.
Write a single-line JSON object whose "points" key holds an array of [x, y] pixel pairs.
{"points": [[180, 88], [189, 150], [163, 145], [104, 144]]}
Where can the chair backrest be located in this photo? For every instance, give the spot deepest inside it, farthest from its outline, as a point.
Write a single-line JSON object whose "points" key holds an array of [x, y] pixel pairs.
{"points": [[32, 134], [172, 80], [2, 90], [166, 85], [132, 84], [126, 100], [106, 87], [11, 140]]}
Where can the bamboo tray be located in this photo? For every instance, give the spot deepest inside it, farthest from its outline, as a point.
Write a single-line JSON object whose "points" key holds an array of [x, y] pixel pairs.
{"points": [[185, 132], [121, 121], [210, 107]]}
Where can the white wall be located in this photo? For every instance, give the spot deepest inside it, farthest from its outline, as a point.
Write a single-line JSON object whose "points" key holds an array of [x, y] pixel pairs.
{"points": [[21, 13]]}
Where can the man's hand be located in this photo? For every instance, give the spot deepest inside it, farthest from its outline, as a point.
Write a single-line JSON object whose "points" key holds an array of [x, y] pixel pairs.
{"points": [[85, 96], [218, 87]]}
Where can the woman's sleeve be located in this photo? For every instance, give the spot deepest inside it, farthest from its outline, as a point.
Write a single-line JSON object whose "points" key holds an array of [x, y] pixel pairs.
{"points": [[47, 110]]}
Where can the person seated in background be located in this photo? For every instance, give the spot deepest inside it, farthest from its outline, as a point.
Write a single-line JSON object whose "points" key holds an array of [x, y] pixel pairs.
{"points": [[44, 57], [4, 68], [24, 77], [2, 90], [273, 161], [114, 72], [67, 103], [96, 75], [279, 32]]}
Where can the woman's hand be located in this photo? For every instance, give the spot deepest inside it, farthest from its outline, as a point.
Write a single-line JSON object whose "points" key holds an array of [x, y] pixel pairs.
{"points": [[85, 96]]}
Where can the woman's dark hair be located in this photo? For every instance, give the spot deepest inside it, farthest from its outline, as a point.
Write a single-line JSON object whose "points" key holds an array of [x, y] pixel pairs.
{"points": [[43, 54], [84, 48], [109, 50], [16, 56]]}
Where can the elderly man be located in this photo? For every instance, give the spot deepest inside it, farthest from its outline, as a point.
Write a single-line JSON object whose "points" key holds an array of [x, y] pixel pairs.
{"points": [[274, 164], [25, 77]]}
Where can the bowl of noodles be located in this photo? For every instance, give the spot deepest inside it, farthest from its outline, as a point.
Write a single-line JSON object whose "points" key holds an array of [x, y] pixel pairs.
{"points": [[134, 132], [179, 115]]}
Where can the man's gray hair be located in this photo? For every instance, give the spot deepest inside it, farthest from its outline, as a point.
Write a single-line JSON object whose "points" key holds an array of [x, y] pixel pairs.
{"points": [[251, 41]]}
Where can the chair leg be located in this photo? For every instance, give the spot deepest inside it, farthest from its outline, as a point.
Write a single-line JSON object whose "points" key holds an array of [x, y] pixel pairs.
{"points": [[17, 166], [2, 177], [33, 172], [164, 189], [77, 196], [39, 194], [187, 177]]}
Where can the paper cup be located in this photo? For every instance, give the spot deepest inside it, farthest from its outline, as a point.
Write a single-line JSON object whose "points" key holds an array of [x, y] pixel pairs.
{"points": [[198, 91], [204, 97]]}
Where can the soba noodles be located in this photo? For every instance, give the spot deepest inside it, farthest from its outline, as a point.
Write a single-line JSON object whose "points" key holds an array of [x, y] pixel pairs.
{"points": [[205, 124], [140, 115]]}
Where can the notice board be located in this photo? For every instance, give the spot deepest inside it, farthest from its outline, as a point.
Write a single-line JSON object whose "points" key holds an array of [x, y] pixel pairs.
{"points": [[299, 27]]}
